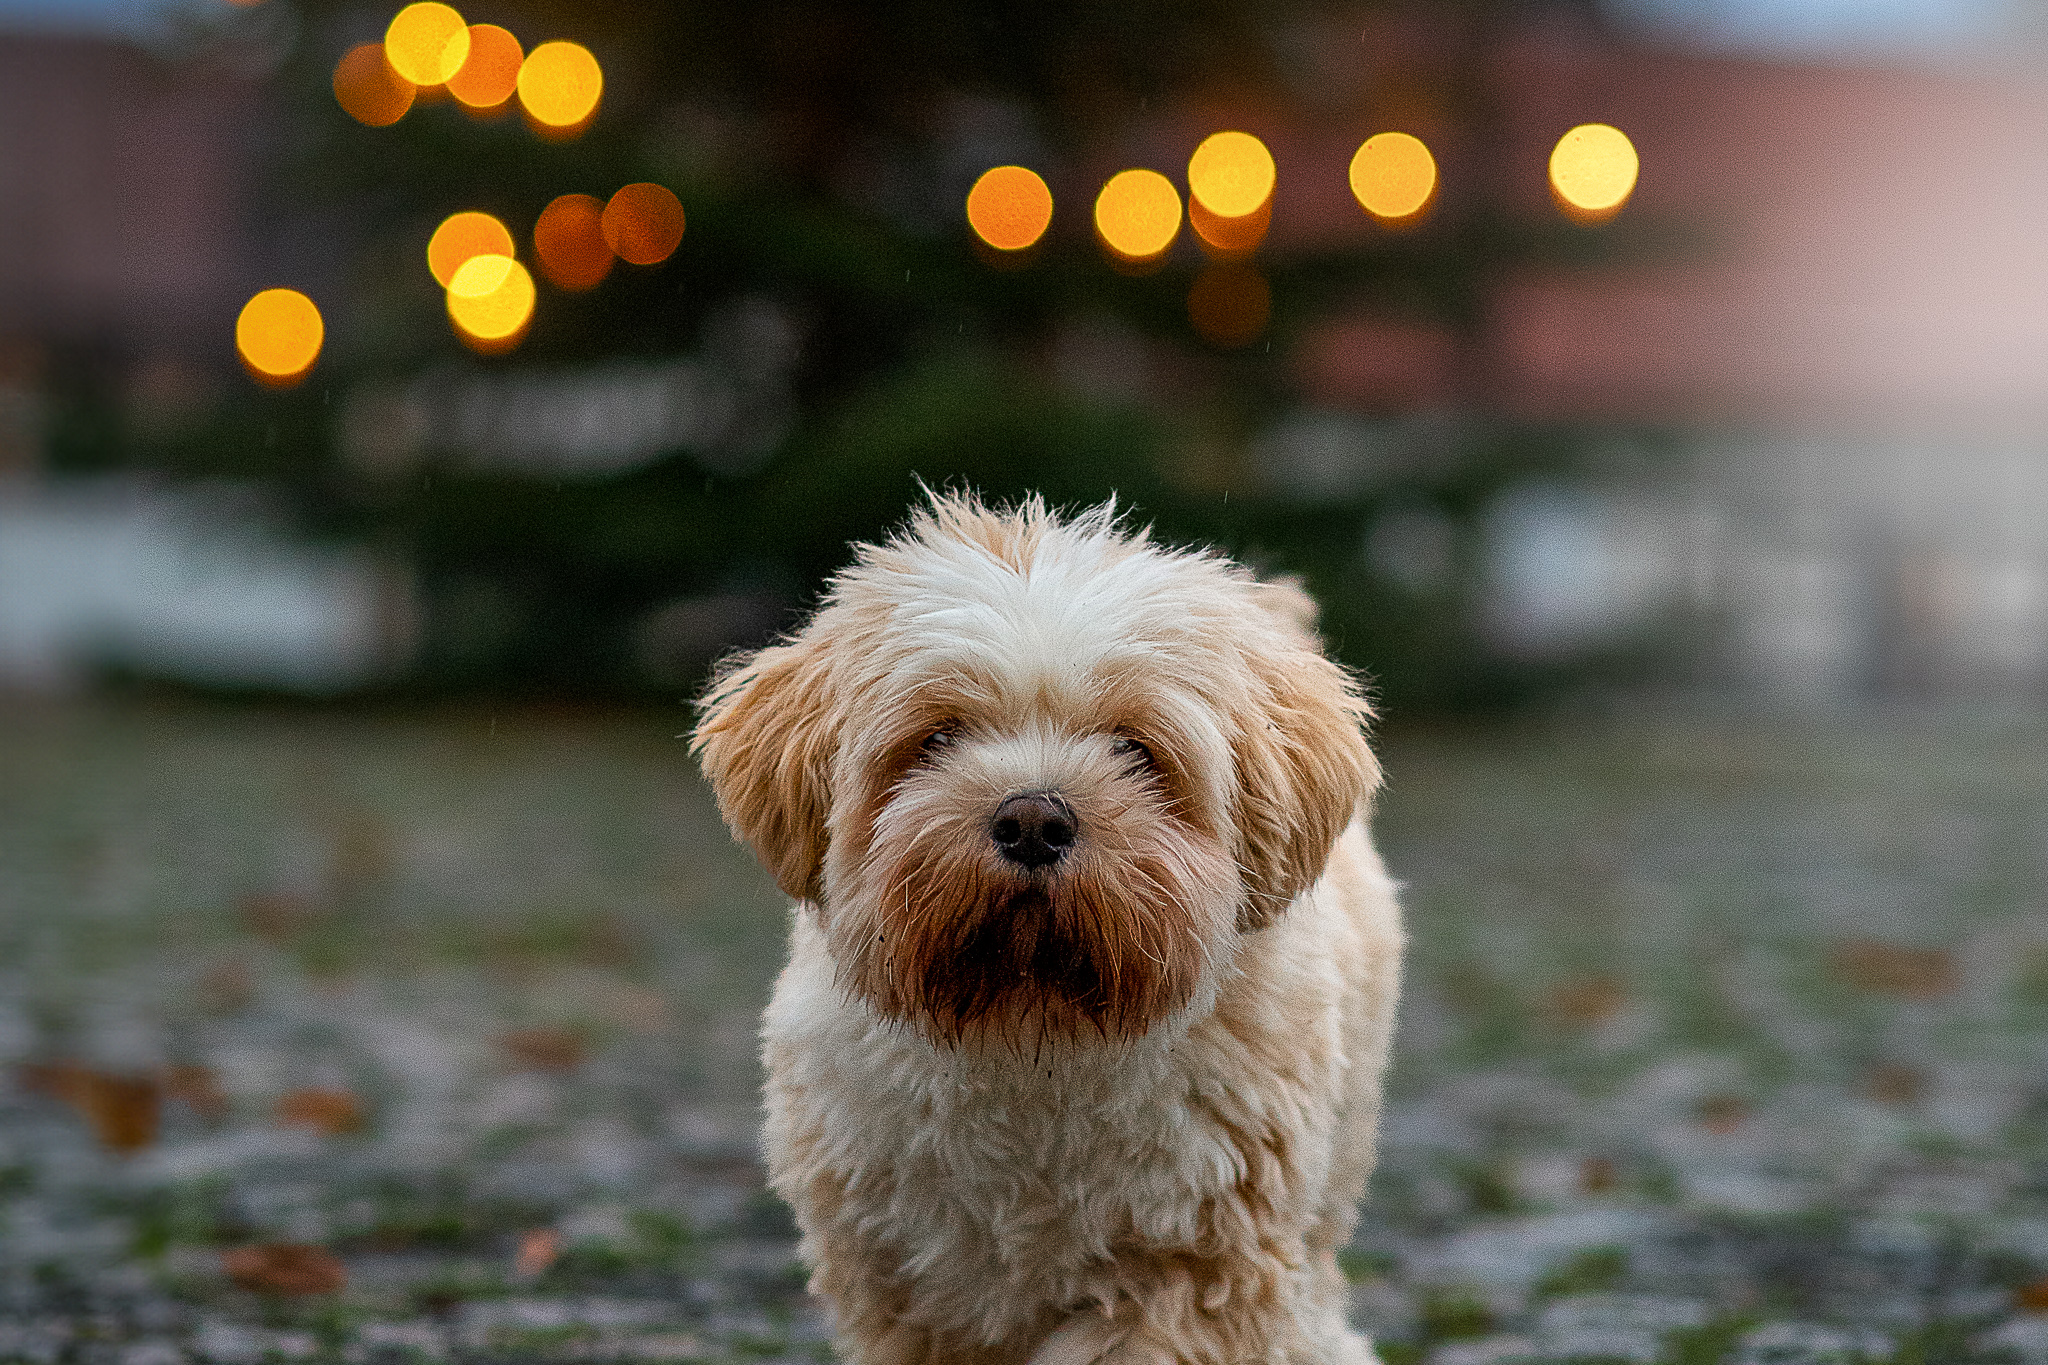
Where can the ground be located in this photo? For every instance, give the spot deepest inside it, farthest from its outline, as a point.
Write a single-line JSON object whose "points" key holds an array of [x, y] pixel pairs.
{"points": [[1726, 1040]]}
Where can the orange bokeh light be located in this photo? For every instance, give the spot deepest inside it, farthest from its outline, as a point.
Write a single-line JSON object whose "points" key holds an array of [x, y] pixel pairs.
{"points": [[1231, 175], [368, 89], [1009, 207], [490, 301], [427, 42], [490, 73], [1138, 214], [643, 223], [1227, 237], [278, 336], [568, 241], [1393, 176], [462, 236], [1593, 171], [559, 85], [1230, 304]]}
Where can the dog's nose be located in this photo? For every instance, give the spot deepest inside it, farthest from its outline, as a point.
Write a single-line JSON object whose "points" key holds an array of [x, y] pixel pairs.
{"points": [[1033, 829]]}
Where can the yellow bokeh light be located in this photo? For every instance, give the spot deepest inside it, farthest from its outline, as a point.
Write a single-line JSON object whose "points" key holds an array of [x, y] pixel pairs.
{"points": [[1231, 174], [368, 89], [1009, 207], [490, 73], [461, 237], [1593, 170], [1393, 176], [490, 300], [427, 43], [1138, 214], [278, 335], [559, 85]]}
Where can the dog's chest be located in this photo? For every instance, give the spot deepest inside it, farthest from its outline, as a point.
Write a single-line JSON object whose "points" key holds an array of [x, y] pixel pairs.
{"points": [[998, 1164]]}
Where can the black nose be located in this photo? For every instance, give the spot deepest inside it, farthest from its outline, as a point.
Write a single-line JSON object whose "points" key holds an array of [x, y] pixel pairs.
{"points": [[1033, 829]]}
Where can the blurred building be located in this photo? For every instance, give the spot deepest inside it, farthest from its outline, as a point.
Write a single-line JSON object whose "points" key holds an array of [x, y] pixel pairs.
{"points": [[1855, 341]]}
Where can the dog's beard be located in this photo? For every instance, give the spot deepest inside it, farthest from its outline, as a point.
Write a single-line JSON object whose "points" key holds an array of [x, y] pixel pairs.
{"points": [[1118, 935]]}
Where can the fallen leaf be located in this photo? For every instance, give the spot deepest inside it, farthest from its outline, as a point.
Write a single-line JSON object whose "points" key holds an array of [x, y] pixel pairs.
{"points": [[276, 916], [544, 1048], [1893, 969], [122, 1110], [226, 987], [330, 1112], [1594, 1000], [199, 1088], [1597, 1175], [1893, 1083], [1723, 1114], [2032, 1297], [284, 1268], [537, 1251]]}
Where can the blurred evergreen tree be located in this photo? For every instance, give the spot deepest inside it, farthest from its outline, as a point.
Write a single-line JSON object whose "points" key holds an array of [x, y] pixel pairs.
{"points": [[828, 299]]}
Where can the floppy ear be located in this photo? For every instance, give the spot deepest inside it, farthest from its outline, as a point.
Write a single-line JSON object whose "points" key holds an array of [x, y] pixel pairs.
{"points": [[1303, 768], [767, 728]]}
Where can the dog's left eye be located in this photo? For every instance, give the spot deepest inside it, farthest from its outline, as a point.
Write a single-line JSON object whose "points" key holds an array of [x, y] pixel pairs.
{"points": [[1134, 750]]}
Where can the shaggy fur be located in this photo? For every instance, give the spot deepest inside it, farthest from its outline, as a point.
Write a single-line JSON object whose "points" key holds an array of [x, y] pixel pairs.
{"points": [[1119, 1108]]}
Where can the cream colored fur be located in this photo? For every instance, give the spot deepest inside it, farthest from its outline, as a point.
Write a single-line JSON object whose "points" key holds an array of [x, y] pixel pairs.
{"points": [[1146, 1147]]}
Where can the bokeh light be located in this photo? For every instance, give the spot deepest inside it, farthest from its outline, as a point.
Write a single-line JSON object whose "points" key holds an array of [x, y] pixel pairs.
{"points": [[1138, 214], [1231, 174], [427, 42], [1230, 304], [462, 236], [491, 72], [1393, 176], [643, 223], [569, 244], [278, 336], [490, 300], [1593, 170], [559, 85], [1009, 207], [368, 89], [1230, 237]]}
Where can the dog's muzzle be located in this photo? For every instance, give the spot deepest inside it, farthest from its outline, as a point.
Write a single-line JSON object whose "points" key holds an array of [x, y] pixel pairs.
{"points": [[1033, 829]]}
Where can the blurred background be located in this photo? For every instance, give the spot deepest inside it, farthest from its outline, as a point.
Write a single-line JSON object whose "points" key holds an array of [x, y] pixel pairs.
{"points": [[400, 410]]}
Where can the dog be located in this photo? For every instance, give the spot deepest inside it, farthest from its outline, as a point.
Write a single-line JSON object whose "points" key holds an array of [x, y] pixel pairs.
{"points": [[1077, 1055]]}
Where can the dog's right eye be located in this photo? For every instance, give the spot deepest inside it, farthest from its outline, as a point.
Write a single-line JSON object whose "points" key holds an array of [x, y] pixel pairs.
{"points": [[937, 741]]}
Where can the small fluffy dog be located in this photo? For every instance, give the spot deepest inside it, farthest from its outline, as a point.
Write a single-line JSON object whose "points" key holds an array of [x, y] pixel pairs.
{"points": [[1077, 1055]]}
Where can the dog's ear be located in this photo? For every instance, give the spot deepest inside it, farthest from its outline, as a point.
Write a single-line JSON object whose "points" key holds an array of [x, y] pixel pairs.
{"points": [[1303, 767], [767, 728]]}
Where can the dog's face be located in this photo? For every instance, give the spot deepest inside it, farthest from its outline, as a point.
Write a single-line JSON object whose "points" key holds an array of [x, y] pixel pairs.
{"points": [[1038, 775]]}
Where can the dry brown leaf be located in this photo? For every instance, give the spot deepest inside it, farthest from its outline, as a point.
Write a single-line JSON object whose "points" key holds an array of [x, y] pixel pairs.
{"points": [[1594, 1000], [546, 1049], [2032, 1297], [1893, 969], [284, 1268], [1598, 1174], [123, 1110], [199, 1088], [1723, 1114], [1893, 1083], [276, 916], [330, 1112], [537, 1251]]}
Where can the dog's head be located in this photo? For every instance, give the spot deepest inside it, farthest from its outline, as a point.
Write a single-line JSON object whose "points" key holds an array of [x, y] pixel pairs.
{"points": [[1035, 772]]}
